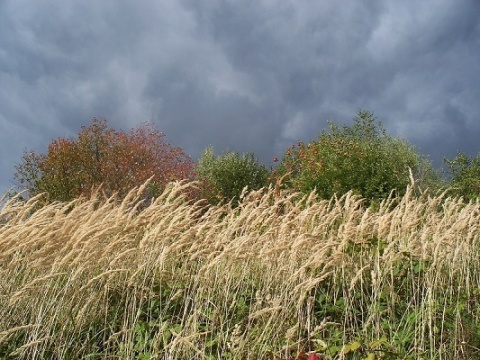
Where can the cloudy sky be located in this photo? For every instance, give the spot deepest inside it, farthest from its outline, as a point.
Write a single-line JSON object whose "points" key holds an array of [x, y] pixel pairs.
{"points": [[244, 75]]}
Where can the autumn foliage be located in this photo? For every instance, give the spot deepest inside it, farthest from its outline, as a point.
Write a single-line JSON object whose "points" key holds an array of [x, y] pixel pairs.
{"points": [[116, 160]]}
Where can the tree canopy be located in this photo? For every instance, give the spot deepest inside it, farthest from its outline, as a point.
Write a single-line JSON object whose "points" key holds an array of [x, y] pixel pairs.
{"points": [[224, 177], [116, 160], [360, 157]]}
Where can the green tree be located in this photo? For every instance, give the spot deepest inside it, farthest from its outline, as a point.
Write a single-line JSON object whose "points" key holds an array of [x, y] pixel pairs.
{"points": [[116, 160], [360, 157], [464, 171], [224, 177]]}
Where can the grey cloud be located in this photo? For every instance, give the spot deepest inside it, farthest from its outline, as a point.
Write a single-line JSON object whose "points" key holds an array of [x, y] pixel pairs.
{"points": [[244, 75]]}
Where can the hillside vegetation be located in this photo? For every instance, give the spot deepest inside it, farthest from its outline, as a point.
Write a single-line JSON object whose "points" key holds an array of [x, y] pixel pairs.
{"points": [[279, 274]]}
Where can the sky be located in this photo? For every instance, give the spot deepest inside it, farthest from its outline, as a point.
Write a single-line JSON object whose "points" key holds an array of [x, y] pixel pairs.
{"points": [[240, 75]]}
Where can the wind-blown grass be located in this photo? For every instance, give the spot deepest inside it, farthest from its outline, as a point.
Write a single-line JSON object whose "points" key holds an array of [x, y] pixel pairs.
{"points": [[279, 274]]}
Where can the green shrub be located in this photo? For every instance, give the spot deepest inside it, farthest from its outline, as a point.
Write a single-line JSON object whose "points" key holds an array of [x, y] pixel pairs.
{"points": [[224, 177], [360, 157], [464, 173]]}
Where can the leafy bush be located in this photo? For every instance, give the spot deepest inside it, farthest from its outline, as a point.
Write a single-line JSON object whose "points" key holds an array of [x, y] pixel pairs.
{"points": [[361, 158], [100, 155], [465, 175], [224, 177]]}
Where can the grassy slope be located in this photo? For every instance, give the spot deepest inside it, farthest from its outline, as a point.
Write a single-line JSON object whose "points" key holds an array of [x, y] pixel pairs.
{"points": [[278, 275]]}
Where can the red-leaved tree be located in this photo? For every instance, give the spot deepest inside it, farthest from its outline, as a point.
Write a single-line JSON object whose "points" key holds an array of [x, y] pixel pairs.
{"points": [[116, 160]]}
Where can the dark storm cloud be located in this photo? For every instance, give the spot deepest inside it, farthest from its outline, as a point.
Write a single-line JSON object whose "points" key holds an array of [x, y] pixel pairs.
{"points": [[243, 75]]}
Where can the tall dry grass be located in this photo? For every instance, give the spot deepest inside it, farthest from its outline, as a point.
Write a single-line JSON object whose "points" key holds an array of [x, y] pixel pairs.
{"points": [[106, 279]]}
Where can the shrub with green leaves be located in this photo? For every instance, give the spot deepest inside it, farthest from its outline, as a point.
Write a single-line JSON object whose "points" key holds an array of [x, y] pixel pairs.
{"points": [[465, 175], [224, 177], [360, 157]]}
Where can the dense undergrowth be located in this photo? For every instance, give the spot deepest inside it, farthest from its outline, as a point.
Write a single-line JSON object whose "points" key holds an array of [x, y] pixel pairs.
{"points": [[275, 276]]}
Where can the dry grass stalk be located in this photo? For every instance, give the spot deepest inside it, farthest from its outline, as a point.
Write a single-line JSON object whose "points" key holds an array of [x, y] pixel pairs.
{"points": [[112, 266]]}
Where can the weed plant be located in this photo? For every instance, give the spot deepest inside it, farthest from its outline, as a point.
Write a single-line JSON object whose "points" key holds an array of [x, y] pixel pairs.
{"points": [[276, 275]]}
